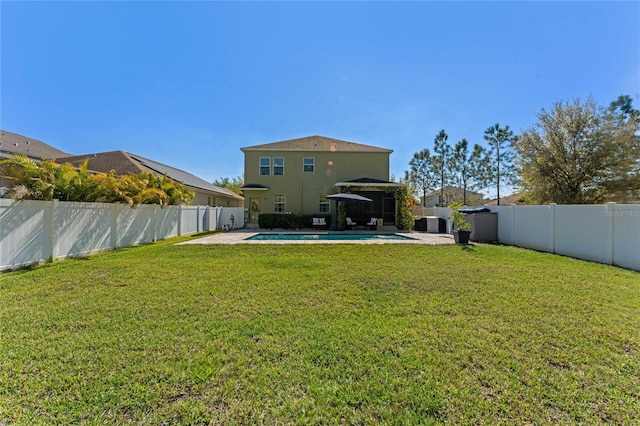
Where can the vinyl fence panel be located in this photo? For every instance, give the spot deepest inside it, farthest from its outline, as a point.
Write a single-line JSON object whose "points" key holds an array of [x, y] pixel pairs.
{"points": [[532, 227], [25, 232], [190, 220], [167, 222], [135, 225], [505, 223], [225, 214], [584, 232], [36, 231], [602, 233], [626, 235], [81, 228], [420, 211]]}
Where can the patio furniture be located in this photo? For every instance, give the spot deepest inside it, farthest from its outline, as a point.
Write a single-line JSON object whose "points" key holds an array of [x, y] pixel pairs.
{"points": [[319, 222], [373, 223], [350, 223]]}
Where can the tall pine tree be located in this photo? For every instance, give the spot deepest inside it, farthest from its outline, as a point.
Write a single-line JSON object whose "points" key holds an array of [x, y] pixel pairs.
{"points": [[469, 169], [441, 151], [502, 170]]}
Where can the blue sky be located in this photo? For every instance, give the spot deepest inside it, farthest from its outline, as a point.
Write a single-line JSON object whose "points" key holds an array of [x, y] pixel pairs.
{"points": [[190, 83]]}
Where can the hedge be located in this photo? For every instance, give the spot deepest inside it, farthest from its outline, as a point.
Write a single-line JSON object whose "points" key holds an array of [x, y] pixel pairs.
{"points": [[290, 221]]}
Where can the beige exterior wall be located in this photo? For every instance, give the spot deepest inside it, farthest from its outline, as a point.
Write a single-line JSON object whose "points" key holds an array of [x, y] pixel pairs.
{"points": [[214, 200], [303, 190]]}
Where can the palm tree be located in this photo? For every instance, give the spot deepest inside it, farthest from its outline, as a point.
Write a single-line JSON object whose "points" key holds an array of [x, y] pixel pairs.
{"points": [[31, 181], [49, 180]]}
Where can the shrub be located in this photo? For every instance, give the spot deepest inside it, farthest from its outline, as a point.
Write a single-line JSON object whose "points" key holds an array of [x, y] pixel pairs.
{"points": [[404, 206], [289, 221], [48, 180]]}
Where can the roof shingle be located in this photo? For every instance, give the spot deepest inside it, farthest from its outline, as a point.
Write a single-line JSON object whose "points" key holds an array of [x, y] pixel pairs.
{"points": [[316, 143], [12, 143], [124, 162]]}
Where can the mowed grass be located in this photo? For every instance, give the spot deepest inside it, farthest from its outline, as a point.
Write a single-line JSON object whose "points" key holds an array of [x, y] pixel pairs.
{"points": [[320, 334]]}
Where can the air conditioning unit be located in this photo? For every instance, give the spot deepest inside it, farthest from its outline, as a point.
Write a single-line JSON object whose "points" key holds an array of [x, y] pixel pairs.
{"points": [[436, 225]]}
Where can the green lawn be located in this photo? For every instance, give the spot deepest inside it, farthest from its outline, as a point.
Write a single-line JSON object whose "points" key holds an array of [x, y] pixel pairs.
{"points": [[320, 334]]}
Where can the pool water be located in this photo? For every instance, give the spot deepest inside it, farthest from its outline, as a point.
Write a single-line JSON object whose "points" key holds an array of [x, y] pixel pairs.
{"points": [[330, 237]]}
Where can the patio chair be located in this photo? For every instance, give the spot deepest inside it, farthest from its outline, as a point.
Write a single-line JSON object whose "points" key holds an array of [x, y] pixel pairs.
{"points": [[350, 223], [373, 223], [319, 221]]}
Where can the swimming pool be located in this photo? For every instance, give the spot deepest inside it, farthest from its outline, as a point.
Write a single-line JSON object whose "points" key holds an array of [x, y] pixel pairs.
{"points": [[328, 237]]}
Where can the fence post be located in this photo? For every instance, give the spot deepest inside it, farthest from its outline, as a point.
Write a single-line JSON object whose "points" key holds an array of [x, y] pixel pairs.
{"points": [[180, 220], [154, 222], [52, 232], [513, 224], [114, 226], [611, 212], [552, 208]]}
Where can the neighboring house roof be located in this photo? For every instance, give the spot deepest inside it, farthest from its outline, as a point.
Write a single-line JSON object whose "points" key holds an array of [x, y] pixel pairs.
{"points": [[120, 161], [508, 200], [12, 143], [104, 162], [124, 162], [184, 177], [453, 190], [316, 143]]}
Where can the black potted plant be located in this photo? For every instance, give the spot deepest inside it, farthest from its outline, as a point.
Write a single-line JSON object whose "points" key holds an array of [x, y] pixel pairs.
{"points": [[461, 229]]}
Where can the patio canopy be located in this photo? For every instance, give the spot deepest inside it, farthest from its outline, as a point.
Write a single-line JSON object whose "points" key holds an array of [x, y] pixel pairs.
{"points": [[347, 196]]}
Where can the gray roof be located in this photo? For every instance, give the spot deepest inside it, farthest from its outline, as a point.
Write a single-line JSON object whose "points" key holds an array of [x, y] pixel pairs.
{"points": [[12, 143], [103, 162], [182, 176], [124, 162], [120, 161], [448, 189], [316, 143]]}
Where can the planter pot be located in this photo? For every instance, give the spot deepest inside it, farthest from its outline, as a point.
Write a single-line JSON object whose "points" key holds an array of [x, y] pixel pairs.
{"points": [[461, 237]]}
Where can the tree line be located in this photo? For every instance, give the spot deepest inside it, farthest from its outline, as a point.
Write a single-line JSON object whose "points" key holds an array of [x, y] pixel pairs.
{"points": [[575, 153], [469, 168], [49, 180]]}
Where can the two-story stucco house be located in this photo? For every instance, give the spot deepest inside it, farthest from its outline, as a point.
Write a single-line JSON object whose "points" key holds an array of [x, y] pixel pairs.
{"points": [[295, 176]]}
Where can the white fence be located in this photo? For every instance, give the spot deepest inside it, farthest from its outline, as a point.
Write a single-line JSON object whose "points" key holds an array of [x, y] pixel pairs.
{"points": [[36, 231], [608, 233]]}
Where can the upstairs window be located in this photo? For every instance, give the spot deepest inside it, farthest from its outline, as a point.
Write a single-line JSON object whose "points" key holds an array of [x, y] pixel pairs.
{"points": [[309, 164], [265, 166], [279, 204], [278, 166]]}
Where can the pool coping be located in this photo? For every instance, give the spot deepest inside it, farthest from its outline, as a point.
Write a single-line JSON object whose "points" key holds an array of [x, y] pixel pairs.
{"points": [[240, 237]]}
